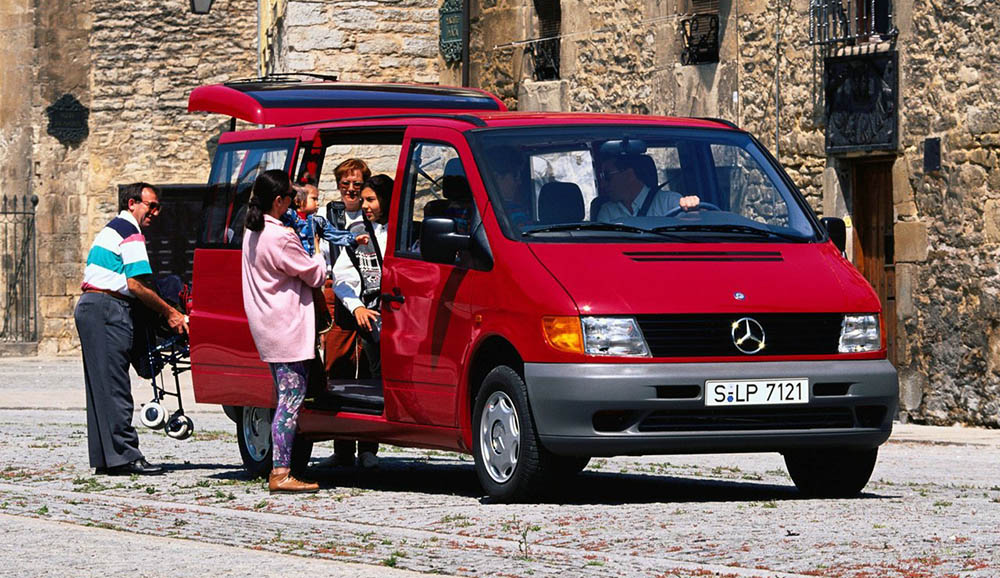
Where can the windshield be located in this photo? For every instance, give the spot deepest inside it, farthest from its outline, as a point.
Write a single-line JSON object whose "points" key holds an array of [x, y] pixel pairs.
{"points": [[637, 183]]}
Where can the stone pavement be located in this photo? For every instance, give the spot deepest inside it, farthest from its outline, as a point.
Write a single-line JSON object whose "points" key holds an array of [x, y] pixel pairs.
{"points": [[932, 509]]}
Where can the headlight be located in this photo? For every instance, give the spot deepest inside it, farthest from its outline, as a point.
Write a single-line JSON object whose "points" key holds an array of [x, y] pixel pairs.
{"points": [[613, 336], [860, 333]]}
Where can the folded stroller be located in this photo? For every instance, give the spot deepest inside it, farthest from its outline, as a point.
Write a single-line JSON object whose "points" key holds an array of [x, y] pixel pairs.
{"points": [[155, 347]]}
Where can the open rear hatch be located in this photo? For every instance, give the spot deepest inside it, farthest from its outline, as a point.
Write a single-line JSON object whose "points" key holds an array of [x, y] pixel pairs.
{"points": [[289, 102]]}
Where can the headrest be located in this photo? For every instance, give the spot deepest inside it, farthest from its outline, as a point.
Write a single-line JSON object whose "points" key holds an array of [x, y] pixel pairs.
{"points": [[560, 203], [644, 167], [454, 185]]}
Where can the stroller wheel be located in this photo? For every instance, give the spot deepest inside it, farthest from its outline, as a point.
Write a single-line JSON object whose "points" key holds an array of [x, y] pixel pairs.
{"points": [[180, 426], [153, 415]]}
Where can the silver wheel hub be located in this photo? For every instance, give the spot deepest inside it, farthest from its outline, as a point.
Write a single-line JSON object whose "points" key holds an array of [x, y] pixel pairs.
{"points": [[257, 431], [500, 437]]}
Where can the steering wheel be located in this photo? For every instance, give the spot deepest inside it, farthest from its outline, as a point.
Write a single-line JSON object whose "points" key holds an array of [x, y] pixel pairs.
{"points": [[700, 207]]}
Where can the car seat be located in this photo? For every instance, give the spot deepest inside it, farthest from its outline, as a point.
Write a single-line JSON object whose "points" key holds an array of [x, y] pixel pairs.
{"points": [[560, 202]]}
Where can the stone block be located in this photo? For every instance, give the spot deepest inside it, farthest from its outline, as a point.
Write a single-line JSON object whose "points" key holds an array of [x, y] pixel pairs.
{"points": [[308, 38], [902, 191], [551, 95], [425, 46], [912, 384], [911, 242], [991, 220], [305, 14], [981, 120], [379, 45], [993, 349], [907, 277]]}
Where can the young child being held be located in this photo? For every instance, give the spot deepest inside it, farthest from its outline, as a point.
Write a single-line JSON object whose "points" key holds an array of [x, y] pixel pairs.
{"points": [[308, 225]]}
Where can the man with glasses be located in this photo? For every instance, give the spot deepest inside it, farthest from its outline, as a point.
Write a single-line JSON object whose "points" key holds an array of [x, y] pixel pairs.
{"points": [[629, 195], [117, 273]]}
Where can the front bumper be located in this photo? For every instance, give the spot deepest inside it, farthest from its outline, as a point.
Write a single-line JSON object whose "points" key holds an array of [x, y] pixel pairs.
{"points": [[599, 409]]}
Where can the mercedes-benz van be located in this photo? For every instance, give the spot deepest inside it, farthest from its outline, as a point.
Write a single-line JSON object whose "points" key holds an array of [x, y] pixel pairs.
{"points": [[557, 286]]}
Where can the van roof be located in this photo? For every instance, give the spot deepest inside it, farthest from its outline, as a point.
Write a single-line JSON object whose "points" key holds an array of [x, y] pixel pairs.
{"points": [[285, 101], [289, 101]]}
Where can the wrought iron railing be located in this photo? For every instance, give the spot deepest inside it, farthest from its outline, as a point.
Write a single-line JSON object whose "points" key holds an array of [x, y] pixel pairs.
{"points": [[18, 290], [835, 23]]}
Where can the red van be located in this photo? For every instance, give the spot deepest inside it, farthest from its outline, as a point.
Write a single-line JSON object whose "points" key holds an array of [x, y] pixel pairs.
{"points": [[551, 294]]}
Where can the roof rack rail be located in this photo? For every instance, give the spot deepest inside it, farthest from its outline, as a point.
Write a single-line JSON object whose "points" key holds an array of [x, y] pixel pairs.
{"points": [[282, 77], [467, 118], [728, 123]]}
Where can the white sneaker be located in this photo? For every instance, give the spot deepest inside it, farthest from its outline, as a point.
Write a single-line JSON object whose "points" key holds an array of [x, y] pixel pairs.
{"points": [[368, 460]]}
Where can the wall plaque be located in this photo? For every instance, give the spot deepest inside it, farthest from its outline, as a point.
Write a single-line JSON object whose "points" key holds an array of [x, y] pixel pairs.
{"points": [[68, 120], [862, 96], [452, 32]]}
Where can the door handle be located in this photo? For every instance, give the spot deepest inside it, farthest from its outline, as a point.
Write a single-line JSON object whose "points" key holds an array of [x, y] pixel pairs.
{"points": [[394, 297]]}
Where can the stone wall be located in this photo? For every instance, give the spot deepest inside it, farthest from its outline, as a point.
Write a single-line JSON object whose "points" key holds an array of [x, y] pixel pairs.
{"points": [[623, 56], [132, 64], [360, 40], [950, 329]]}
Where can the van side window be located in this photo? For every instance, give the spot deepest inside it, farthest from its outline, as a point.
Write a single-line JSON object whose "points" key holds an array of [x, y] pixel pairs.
{"points": [[436, 186], [234, 170]]}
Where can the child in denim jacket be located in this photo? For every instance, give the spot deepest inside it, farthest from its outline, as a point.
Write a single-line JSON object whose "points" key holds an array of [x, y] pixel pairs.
{"points": [[307, 224]]}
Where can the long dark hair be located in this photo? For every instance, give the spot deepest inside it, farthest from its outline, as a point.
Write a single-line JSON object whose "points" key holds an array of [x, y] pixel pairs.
{"points": [[269, 186], [382, 185]]}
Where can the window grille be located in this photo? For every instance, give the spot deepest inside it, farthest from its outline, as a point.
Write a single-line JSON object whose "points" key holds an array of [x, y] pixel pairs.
{"points": [[835, 23], [545, 52], [700, 32]]}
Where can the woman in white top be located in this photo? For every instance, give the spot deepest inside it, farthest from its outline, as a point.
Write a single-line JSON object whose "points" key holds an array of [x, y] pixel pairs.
{"points": [[357, 278]]}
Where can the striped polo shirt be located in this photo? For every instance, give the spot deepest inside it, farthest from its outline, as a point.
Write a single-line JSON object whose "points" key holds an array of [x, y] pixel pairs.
{"points": [[118, 253]]}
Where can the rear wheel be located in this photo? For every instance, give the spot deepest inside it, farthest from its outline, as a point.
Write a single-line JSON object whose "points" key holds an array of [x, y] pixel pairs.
{"points": [[831, 473], [253, 431], [510, 462]]}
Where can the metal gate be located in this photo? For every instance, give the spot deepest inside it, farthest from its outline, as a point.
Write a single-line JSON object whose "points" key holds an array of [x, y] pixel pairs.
{"points": [[18, 273]]}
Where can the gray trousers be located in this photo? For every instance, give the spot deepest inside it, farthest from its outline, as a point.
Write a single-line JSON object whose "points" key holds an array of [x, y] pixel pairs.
{"points": [[105, 327]]}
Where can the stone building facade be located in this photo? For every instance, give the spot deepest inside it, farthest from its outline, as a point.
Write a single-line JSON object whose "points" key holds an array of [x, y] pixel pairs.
{"points": [[941, 237], [130, 66]]}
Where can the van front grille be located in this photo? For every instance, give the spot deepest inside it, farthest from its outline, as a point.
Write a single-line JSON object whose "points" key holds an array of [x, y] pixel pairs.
{"points": [[710, 335], [748, 419]]}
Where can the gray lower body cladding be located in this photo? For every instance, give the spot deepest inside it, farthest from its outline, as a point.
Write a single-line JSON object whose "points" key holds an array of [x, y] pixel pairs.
{"points": [[601, 409]]}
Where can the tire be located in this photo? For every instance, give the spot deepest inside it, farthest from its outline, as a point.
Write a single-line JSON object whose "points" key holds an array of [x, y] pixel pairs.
{"points": [[510, 462], [153, 415], [831, 473], [179, 426], [253, 433]]}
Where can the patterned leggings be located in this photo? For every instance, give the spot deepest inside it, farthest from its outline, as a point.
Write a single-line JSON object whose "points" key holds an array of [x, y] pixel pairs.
{"points": [[290, 381]]}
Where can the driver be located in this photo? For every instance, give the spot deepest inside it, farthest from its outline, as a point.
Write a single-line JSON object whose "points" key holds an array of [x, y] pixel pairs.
{"points": [[629, 196]]}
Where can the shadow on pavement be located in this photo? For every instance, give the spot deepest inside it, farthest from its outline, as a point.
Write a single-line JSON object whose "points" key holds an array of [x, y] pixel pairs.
{"points": [[589, 487]]}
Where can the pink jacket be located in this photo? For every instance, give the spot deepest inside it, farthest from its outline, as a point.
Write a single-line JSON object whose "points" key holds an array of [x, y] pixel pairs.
{"points": [[277, 276]]}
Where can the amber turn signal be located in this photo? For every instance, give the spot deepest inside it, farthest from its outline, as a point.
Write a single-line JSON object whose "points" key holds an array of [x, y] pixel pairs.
{"points": [[563, 333]]}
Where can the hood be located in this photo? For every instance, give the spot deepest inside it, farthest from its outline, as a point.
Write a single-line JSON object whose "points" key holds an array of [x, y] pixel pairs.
{"points": [[622, 279]]}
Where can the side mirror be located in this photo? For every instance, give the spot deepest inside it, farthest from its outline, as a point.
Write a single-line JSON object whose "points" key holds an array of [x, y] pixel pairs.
{"points": [[439, 243], [837, 230]]}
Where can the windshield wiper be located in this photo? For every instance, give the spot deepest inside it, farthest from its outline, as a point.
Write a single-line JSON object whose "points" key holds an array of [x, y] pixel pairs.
{"points": [[617, 227], [732, 228]]}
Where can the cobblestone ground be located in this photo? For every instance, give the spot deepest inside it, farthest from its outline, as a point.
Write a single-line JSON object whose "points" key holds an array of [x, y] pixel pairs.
{"points": [[932, 509]]}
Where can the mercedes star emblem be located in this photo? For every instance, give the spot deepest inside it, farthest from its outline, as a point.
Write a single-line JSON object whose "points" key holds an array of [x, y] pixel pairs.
{"points": [[748, 335]]}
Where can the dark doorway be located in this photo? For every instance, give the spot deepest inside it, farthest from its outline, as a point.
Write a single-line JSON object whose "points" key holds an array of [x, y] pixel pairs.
{"points": [[170, 240], [873, 237]]}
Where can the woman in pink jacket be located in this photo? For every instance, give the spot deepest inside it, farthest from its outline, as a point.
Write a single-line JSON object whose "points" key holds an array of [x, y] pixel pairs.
{"points": [[277, 279]]}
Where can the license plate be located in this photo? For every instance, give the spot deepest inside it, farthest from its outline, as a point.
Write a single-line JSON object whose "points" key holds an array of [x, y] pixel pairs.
{"points": [[757, 392]]}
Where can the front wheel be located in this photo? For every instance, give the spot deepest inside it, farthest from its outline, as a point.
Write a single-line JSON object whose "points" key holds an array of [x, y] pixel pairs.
{"points": [[253, 432], [510, 462], [831, 473]]}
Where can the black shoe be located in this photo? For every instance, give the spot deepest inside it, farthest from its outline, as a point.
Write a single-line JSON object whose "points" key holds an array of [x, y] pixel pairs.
{"points": [[140, 467]]}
